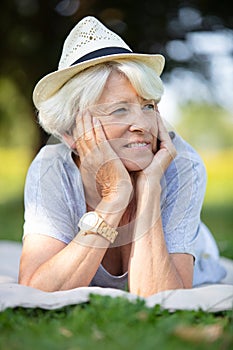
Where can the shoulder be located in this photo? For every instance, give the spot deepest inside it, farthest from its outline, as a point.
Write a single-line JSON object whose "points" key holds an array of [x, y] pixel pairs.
{"points": [[53, 170], [183, 191], [53, 195], [51, 159], [184, 149], [187, 161], [50, 154], [185, 179]]}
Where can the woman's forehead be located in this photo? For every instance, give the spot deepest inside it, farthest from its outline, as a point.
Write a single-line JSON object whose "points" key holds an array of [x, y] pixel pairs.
{"points": [[118, 88]]}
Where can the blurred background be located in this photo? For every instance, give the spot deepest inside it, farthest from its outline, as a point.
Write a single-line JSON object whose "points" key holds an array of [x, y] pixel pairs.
{"points": [[196, 38]]}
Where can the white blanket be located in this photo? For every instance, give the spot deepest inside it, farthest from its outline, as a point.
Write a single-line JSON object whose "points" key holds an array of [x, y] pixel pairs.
{"points": [[211, 298]]}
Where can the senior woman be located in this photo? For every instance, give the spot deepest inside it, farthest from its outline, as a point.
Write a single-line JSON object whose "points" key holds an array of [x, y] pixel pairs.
{"points": [[117, 203]]}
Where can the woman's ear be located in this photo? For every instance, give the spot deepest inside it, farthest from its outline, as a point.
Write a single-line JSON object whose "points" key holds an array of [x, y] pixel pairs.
{"points": [[69, 140]]}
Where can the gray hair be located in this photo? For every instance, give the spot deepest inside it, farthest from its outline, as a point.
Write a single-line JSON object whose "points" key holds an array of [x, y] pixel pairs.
{"points": [[57, 115]]}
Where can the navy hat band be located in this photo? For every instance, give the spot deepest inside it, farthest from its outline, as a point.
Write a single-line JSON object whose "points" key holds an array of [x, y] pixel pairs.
{"points": [[102, 52]]}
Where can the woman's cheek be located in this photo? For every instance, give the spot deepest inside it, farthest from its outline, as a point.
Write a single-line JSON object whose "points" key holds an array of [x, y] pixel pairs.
{"points": [[113, 130], [107, 131]]}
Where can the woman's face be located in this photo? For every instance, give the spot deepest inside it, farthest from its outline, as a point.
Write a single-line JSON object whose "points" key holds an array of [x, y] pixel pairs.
{"points": [[129, 122]]}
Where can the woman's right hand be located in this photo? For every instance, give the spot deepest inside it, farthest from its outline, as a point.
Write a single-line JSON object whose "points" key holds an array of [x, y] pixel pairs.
{"points": [[103, 174]]}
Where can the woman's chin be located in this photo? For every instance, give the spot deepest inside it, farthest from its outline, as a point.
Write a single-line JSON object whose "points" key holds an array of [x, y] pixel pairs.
{"points": [[136, 166]]}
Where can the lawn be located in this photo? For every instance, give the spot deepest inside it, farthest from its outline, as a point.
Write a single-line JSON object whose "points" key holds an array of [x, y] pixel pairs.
{"points": [[105, 322]]}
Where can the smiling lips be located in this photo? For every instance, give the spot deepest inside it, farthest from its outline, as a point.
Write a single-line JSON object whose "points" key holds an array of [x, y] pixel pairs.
{"points": [[136, 145]]}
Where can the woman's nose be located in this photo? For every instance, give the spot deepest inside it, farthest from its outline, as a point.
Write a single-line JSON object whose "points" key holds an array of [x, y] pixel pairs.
{"points": [[137, 128], [139, 123]]}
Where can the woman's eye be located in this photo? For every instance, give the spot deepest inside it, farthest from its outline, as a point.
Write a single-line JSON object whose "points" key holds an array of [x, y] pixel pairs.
{"points": [[120, 111], [149, 107]]}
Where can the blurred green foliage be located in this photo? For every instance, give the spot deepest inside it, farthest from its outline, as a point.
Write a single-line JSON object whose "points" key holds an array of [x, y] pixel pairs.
{"points": [[16, 120], [208, 127], [219, 167], [13, 168]]}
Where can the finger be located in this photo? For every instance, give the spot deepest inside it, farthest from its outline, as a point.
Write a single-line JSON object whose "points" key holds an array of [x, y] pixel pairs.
{"points": [[85, 137], [165, 139], [88, 129], [78, 135], [99, 132], [102, 141], [162, 131], [163, 159], [78, 130]]}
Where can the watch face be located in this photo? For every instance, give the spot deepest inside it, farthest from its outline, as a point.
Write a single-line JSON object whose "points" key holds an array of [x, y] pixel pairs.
{"points": [[89, 221]]}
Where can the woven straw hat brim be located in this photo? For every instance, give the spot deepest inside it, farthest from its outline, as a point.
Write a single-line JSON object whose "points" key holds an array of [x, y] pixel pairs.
{"points": [[52, 82]]}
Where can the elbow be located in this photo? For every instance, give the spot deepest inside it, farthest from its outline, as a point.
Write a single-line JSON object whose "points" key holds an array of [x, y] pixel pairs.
{"points": [[32, 283], [26, 281], [143, 292], [23, 280]]}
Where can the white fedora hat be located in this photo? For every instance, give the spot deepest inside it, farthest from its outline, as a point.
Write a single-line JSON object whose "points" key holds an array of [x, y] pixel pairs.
{"points": [[88, 44]]}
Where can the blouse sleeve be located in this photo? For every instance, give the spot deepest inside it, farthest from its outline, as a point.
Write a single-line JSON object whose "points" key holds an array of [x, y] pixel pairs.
{"points": [[50, 205], [183, 190]]}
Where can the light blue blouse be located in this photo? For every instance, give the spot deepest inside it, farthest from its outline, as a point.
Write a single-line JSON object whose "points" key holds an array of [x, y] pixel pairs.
{"points": [[54, 203]]}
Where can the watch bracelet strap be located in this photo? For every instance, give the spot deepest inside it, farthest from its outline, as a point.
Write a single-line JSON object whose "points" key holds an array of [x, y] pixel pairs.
{"points": [[107, 232]]}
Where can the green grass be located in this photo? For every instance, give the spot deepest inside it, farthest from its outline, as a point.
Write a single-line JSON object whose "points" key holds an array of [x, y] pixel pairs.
{"points": [[106, 323]]}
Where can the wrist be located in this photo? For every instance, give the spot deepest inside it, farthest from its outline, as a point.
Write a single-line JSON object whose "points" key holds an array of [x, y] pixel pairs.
{"points": [[119, 198], [91, 223], [148, 186], [148, 196], [111, 210]]}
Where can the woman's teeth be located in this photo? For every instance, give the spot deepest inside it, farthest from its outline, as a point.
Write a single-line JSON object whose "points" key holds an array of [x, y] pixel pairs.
{"points": [[136, 144]]}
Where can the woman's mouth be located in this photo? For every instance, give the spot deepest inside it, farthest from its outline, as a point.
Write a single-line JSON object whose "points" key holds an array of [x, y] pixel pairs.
{"points": [[136, 145]]}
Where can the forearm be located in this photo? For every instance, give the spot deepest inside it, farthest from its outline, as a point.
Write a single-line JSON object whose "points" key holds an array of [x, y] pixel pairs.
{"points": [[151, 268], [74, 266], [66, 267]]}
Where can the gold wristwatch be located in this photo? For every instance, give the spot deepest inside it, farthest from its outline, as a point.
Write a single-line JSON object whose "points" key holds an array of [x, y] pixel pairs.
{"points": [[91, 223]]}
